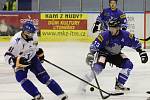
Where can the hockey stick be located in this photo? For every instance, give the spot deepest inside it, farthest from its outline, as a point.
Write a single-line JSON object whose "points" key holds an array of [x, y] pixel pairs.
{"points": [[145, 39], [97, 83], [111, 94], [148, 92]]}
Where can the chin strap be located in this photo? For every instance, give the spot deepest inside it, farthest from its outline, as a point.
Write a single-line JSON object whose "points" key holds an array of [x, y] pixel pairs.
{"points": [[29, 39]]}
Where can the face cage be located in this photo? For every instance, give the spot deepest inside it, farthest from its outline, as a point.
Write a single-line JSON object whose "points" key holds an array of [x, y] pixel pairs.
{"points": [[28, 35]]}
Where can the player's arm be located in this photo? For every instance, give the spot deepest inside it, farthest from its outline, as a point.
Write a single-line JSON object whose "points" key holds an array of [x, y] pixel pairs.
{"points": [[95, 26], [39, 51], [123, 21], [99, 21], [40, 54], [94, 47], [97, 44], [135, 44], [13, 58], [9, 57]]}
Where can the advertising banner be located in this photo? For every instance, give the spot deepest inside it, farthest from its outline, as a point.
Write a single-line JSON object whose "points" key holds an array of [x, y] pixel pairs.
{"points": [[11, 22], [63, 26], [34, 17], [136, 24]]}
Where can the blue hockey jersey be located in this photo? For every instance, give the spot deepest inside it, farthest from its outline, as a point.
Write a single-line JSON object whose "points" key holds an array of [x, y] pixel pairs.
{"points": [[109, 14], [114, 44]]}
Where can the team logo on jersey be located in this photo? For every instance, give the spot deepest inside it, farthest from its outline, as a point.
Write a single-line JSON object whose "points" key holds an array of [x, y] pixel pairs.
{"points": [[131, 35]]}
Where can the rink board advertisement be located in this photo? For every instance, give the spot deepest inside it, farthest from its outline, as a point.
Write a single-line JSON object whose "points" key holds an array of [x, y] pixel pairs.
{"points": [[11, 22], [63, 26], [136, 23]]}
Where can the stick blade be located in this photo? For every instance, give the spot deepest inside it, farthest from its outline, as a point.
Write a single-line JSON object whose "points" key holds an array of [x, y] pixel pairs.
{"points": [[117, 94], [113, 94], [105, 97], [148, 92]]}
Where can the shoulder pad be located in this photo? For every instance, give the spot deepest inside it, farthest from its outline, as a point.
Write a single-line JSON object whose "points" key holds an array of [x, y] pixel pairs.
{"points": [[15, 40], [123, 16]]}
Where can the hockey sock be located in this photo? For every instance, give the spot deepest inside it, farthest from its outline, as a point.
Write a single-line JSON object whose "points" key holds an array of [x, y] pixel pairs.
{"points": [[29, 87], [54, 87], [123, 76]]}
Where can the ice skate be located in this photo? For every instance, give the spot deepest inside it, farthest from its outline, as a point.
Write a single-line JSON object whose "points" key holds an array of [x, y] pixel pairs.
{"points": [[63, 97], [148, 98], [38, 97], [120, 86]]}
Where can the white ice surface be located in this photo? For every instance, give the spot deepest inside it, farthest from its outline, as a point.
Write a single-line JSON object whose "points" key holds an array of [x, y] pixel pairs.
{"points": [[71, 56]]}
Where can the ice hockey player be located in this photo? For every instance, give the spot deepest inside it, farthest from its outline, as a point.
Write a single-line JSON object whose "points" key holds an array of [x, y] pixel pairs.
{"points": [[108, 14], [109, 46], [24, 55]]}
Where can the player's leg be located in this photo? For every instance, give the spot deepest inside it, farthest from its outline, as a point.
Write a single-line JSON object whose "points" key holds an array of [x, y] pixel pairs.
{"points": [[97, 68], [123, 62], [44, 78], [27, 85]]}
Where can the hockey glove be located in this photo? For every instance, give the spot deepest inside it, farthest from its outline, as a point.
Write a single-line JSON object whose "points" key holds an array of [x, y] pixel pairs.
{"points": [[90, 58], [22, 62], [95, 29], [102, 27], [124, 26], [40, 54], [143, 55]]}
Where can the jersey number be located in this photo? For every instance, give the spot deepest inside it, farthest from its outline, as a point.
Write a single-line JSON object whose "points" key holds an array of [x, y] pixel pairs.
{"points": [[11, 49]]}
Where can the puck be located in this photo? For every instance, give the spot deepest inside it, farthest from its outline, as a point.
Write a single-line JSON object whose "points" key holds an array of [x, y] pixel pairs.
{"points": [[91, 89]]}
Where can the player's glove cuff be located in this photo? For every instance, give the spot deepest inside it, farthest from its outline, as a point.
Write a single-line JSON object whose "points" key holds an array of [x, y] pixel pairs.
{"points": [[40, 54]]}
